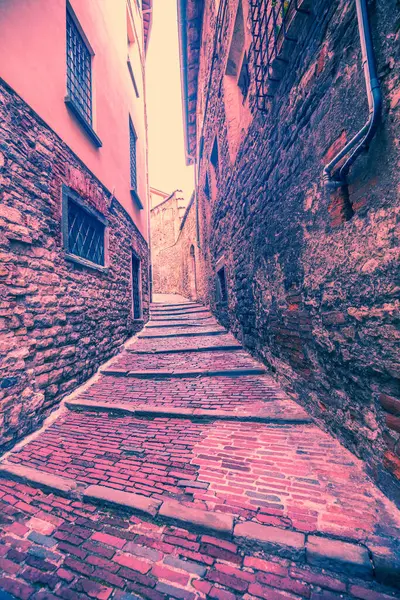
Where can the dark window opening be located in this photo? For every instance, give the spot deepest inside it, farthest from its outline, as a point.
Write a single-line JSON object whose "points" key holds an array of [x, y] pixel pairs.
{"points": [[222, 289], [79, 71], [214, 155], [132, 145], [207, 187], [244, 77], [86, 234], [136, 296]]}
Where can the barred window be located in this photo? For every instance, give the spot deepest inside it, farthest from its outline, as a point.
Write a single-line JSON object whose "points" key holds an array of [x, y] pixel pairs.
{"points": [[132, 143], [79, 71], [83, 230], [276, 26]]}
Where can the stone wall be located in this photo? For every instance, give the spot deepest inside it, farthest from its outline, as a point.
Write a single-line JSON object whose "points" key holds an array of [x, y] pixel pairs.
{"points": [[174, 248], [58, 320], [311, 274]]}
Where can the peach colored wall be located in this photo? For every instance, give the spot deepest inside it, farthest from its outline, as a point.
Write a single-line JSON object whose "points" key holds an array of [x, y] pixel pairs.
{"points": [[33, 63]]}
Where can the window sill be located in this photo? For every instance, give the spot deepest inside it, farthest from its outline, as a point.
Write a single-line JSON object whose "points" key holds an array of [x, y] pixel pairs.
{"points": [[140, 320], [136, 198], [85, 263], [84, 124]]}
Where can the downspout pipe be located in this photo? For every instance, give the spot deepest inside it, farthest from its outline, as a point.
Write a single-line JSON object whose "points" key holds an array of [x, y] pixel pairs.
{"points": [[337, 178]]}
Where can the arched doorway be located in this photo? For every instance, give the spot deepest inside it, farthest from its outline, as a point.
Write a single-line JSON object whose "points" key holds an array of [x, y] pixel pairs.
{"points": [[192, 274]]}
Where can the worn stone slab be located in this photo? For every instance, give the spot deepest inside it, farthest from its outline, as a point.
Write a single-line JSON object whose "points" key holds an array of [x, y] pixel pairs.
{"points": [[136, 502], [278, 541], [125, 408], [115, 372], [46, 481], [338, 555], [213, 521]]}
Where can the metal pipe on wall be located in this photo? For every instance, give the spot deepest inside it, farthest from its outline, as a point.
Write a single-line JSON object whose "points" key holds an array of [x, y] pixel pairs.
{"points": [[361, 140]]}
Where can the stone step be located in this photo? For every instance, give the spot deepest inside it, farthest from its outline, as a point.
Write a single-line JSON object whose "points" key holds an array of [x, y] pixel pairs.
{"points": [[168, 324], [145, 411], [175, 306], [230, 348], [182, 373], [338, 555], [189, 334]]}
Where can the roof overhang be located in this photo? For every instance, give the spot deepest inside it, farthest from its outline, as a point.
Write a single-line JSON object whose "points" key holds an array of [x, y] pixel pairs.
{"points": [[190, 18], [147, 10]]}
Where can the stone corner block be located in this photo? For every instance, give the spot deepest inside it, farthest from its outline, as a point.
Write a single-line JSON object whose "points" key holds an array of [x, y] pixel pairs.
{"points": [[115, 372], [386, 560], [283, 542], [219, 522], [136, 502], [47, 481], [338, 555]]}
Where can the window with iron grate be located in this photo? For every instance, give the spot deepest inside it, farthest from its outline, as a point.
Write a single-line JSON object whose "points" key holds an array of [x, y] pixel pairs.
{"points": [[84, 231], [276, 26], [132, 145], [79, 71]]}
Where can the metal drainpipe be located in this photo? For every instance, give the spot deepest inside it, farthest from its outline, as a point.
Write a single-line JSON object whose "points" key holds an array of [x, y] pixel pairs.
{"points": [[361, 140]]}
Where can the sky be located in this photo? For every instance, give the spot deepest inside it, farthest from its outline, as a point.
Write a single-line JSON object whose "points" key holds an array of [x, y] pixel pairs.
{"points": [[167, 166]]}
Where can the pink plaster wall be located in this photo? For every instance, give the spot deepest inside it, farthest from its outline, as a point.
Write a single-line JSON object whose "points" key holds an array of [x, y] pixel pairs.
{"points": [[33, 63]]}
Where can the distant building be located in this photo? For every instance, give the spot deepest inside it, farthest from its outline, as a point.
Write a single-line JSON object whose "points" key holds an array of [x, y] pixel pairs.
{"points": [[173, 245], [74, 211], [297, 247]]}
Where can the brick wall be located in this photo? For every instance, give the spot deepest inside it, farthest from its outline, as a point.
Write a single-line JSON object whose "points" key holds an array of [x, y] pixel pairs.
{"points": [[58, 320], [311, 275]]}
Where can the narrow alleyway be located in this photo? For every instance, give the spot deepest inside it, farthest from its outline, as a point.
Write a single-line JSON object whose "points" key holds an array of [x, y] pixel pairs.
{"points": [[184, 471]]}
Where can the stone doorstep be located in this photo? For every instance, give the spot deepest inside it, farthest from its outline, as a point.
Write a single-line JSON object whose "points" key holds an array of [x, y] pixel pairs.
{"points": [[46, 481], [181, 413], [336, 555], [231, 348], [181, 373], [178, 335]]}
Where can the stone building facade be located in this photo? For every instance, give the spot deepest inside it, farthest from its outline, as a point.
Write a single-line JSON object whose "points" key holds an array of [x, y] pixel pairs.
{"points": [[74, 256], [299, 266], [174, 247]]}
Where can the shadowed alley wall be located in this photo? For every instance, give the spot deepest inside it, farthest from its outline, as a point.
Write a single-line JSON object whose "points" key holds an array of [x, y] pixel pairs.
{"points": [[310, 275]]}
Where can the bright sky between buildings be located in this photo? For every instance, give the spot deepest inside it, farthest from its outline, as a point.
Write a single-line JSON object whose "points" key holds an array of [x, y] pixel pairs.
{"points": [[167, 167]]}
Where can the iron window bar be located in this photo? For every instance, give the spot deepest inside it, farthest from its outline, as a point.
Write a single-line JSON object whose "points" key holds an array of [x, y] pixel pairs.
{"points": [[270, 25], [132, 149], [220, 20], [79, 71]]}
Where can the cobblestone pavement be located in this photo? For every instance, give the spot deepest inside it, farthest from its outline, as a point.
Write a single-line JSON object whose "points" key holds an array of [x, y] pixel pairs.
{"points": [[184, 471]]}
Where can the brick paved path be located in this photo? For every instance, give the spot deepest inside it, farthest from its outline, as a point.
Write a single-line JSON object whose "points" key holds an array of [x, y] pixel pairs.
{"points": [[184, 471]]}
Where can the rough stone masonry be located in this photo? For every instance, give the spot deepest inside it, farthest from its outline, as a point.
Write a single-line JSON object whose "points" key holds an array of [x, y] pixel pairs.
{"points": [[310, 274], [58, 320]]}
